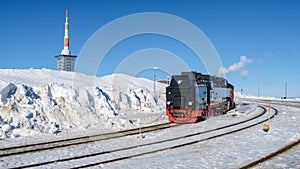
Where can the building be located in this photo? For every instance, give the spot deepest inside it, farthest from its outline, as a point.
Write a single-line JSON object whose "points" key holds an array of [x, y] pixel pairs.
{"points": [[66, 61]]}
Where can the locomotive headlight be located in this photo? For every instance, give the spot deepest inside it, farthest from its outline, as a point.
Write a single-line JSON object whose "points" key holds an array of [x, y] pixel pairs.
{"points": [[169, 104], [190, 103]]}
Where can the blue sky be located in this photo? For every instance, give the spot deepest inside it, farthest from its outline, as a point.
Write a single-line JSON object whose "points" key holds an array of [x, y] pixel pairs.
{"points": [[265, 31]]}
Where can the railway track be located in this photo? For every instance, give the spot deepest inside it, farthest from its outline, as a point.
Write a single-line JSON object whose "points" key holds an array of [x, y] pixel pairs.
{"points": [[157, 144], [284, 148], [191, 142], [42, 146], [272, 155]]}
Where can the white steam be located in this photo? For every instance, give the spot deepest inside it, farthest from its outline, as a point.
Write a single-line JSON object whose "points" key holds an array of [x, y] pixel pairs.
{"points": [[236, 66]]}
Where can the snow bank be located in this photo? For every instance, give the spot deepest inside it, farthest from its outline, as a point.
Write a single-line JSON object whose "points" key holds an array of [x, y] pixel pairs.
{"points": [[45, 101], [251, 96]]}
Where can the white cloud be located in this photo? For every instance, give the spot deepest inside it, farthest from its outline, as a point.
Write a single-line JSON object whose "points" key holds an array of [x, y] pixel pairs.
{"points": [[244, 74], [236, 66]]}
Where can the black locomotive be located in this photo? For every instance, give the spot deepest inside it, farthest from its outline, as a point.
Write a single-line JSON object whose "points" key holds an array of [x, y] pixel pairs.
{"points": [[192, 96]]}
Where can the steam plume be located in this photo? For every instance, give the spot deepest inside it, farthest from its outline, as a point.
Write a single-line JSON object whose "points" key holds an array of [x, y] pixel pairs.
{"points": [[236, 66]]}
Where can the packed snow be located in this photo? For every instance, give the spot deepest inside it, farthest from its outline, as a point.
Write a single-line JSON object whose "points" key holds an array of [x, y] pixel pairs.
{"points": [[230, 151], [251, 96], [48, 105], [34, 102]]}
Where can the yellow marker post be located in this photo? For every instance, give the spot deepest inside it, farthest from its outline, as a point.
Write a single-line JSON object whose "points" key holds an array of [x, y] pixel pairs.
{"points": [[266, 127]]}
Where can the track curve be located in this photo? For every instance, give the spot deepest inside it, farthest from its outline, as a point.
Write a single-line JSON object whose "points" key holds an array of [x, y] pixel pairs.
{"points": [[154, 143], [189, 143]]}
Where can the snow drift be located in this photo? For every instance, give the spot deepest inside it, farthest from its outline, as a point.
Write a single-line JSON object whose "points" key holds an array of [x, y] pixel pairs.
{"points": [[45, 101]]}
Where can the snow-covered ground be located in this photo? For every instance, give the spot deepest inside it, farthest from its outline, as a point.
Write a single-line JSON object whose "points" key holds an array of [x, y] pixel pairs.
{"points": [[251, 96], [43, 102], [231, 151], [34, 102]]}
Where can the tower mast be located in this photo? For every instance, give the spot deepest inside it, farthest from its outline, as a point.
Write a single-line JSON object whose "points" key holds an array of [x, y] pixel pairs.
{"points": [[66, 50], [66, 61]]}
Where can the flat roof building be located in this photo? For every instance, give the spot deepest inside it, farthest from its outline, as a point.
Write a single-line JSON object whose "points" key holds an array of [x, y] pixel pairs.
{"points": [[66, 62]]}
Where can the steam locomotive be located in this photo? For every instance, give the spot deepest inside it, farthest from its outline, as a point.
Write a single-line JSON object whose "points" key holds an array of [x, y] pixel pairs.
{"points": [[193, 96]]}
